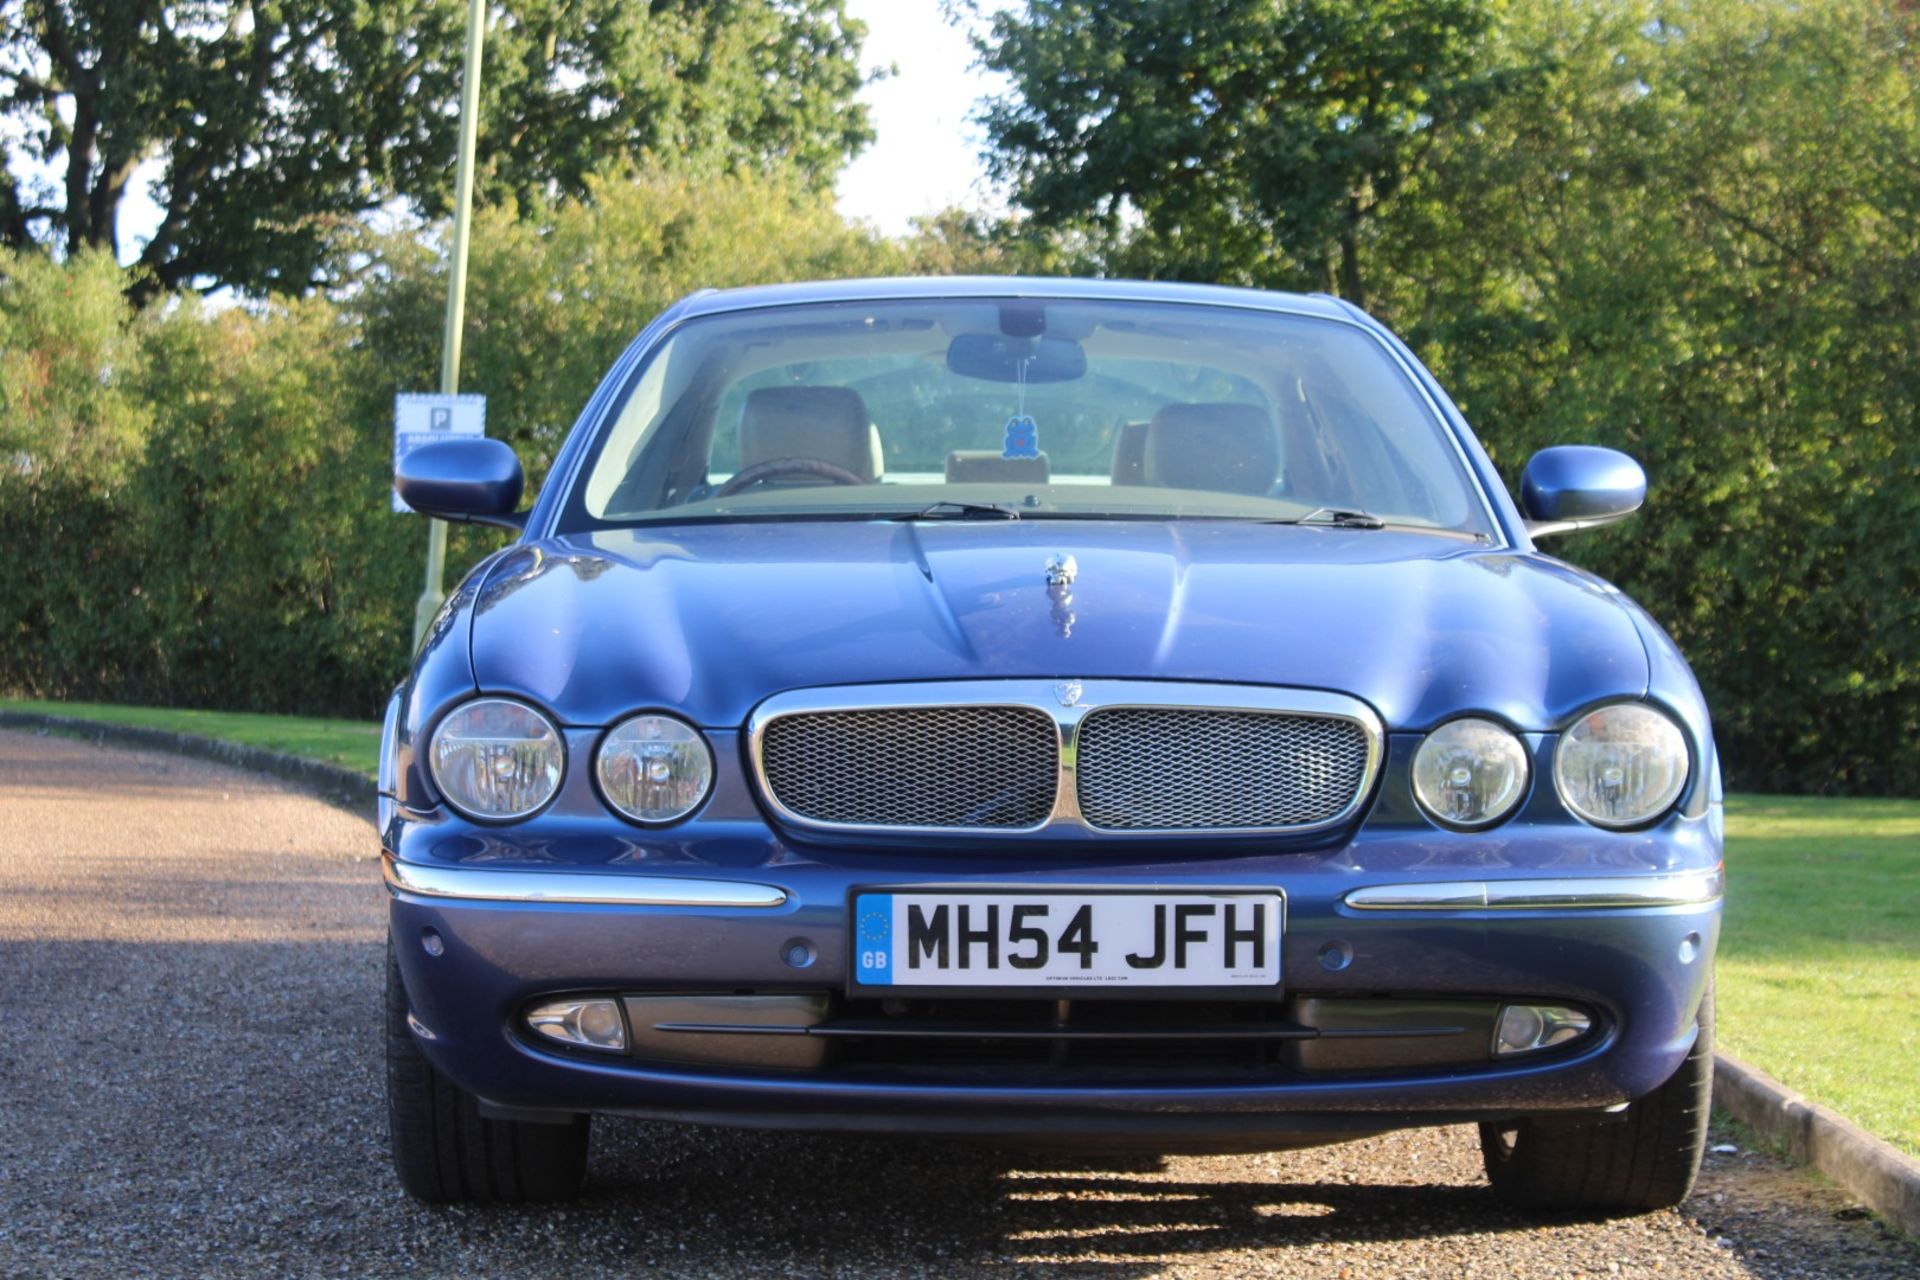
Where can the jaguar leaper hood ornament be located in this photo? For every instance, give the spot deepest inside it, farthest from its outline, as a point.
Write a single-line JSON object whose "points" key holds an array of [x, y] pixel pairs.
{"points": [[1062, 569]]}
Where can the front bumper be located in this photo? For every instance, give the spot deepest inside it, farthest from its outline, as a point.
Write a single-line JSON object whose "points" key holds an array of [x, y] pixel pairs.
{"points": [[1622, 925]]}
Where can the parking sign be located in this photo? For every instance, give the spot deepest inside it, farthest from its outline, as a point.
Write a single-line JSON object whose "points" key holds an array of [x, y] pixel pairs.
{"points": [[422, 419]]}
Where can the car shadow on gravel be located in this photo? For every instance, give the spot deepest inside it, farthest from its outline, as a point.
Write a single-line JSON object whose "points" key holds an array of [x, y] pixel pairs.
{"points": [[698, 1200], [833, 1193], [665, 1194]]}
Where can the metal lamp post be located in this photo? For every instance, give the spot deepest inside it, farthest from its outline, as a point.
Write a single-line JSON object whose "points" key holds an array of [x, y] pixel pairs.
{"points": [[431, 594]]}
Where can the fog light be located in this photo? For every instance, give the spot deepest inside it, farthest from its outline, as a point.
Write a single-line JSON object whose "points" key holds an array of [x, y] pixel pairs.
{"points": [[1526, 1027], [591, 1024]]}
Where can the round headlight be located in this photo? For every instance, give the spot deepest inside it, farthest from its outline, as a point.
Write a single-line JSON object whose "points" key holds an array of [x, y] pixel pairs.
{"points": [[1621, 765], [1470, 773], [496, 760], [654, 769]]}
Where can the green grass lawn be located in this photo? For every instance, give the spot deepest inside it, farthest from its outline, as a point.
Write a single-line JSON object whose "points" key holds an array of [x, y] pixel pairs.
{"points": [[352, 743], [1819, 958], [1820, 953]]}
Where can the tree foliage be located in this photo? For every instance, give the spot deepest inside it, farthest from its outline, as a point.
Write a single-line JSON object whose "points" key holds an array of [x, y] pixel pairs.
{"points": [[1697, 240], [554, 297], [1686, 228], [1256, 142], [274, 124], [64, 354]]}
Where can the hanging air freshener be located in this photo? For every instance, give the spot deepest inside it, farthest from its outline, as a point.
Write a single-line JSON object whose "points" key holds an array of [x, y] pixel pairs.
{"points": [[1023, 435], [1022, 439]]}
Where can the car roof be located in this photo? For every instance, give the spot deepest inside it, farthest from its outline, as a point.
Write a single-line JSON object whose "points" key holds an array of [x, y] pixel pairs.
{"points": [[715, 301]]}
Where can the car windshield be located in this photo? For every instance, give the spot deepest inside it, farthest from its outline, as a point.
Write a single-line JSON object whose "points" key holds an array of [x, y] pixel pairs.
{"points": [[1003, 408]]}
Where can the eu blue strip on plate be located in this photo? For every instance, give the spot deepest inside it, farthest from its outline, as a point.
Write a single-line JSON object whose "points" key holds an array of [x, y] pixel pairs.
{"points": [[874, 937]]}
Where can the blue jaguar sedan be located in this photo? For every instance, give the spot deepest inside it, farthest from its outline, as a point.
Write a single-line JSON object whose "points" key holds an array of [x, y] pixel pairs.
{"points": [[1051, 712]]}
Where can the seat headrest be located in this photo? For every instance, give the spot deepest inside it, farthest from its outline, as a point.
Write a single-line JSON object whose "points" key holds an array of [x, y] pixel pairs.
{"points": [[828, 423], [1227, 448], [1130, 453]]}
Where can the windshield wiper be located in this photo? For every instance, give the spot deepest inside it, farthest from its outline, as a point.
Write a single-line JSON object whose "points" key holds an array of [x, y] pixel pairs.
{"points": [[1339, 518], [948, 509]]}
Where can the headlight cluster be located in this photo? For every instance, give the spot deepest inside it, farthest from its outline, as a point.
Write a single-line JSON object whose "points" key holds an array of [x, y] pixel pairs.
{"points": [[1618, 766], [1621, 765], [497, 760], [1470, 773]]}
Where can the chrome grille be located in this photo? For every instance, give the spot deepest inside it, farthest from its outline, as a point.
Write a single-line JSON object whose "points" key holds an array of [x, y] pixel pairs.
{"points": [[993, 767], [1172, 769]]}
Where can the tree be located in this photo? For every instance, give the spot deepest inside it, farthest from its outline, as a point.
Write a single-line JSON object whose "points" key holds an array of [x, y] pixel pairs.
{"points": [[1697, 238], [273, 122], [1689, 229], [65, 358], [1253, 141], [959, 242]]}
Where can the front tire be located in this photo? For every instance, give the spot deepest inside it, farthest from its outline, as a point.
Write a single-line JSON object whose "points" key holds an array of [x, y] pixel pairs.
{"points": [[1647, 1160], [446, 1152]]}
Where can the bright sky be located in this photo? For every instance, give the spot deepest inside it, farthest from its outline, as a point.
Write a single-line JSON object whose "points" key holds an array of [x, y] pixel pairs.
{"points": [[927, 154]]}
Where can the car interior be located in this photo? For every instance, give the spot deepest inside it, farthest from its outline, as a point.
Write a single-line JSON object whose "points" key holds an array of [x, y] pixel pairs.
{"points": [[1218, 446]]}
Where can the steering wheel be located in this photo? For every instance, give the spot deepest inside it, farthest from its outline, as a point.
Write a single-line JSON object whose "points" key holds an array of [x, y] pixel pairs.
{"points": [[761, 472]]}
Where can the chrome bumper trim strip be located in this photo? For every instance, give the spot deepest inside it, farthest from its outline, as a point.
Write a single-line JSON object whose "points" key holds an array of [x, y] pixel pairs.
{"points": [[584, 887], [1685, 889]]}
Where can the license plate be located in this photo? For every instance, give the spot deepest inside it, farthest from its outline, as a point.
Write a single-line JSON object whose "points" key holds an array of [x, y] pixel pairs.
{"points": [[999, 939]]}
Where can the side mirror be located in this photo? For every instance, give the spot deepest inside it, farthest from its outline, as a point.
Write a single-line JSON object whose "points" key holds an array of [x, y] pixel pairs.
{"points": [[1579, 486], [471, 479]]}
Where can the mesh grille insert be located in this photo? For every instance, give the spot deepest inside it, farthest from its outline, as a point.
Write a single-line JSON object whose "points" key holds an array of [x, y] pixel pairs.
{"points": [[1174, 769], [915, 766]]}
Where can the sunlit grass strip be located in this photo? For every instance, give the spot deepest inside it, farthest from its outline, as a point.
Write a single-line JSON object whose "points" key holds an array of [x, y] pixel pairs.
{"points": [[1820, 953], [352, 744]]}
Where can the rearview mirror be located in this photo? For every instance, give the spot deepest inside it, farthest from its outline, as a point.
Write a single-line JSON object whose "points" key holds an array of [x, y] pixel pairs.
{"points": [[995, 357], [471, 479], [1579, 486]]}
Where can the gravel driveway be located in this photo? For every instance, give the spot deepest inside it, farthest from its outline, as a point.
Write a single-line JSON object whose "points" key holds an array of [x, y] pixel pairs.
{"points": [[190, 1084]]}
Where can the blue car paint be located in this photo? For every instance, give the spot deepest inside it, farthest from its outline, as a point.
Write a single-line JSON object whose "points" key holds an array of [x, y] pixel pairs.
{"points": [[1423, 627], [708, 619], [510, 954]]}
